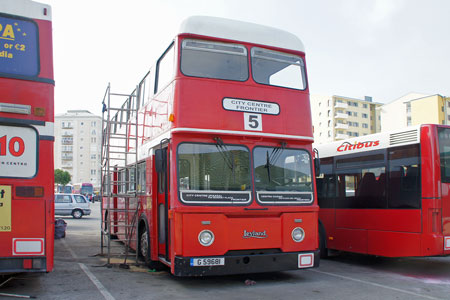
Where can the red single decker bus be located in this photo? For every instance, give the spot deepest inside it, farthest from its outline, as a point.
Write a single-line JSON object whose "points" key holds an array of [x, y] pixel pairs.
{"points": [[222, 140], [26, 137], [387, 194]]}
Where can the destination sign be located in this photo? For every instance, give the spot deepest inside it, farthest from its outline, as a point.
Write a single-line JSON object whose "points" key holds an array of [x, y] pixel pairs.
{"points": [[286, 197], [260, 107], [214, 197], [19, 53]]}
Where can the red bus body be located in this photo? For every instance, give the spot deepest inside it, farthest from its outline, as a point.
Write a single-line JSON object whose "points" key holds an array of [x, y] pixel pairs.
{"points": [[26, 137], [193, 112], [85, 188], [400, 203]]}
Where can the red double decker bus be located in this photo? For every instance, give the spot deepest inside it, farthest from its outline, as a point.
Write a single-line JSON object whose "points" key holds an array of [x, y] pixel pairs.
{"points": [[26, 137], [387, 194], [84, 188], [224, 167]]}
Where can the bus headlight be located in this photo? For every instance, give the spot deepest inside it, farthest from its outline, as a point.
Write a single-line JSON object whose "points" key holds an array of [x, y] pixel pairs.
{"points": [[298, 234], [206, 238]]}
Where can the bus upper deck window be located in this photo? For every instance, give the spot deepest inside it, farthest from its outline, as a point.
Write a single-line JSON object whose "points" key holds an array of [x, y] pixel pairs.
{"points": [[278, 69], [214, 60]]}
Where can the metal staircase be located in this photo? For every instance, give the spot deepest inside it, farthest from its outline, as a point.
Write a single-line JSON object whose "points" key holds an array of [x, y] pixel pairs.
{"points": [[120, 204]]}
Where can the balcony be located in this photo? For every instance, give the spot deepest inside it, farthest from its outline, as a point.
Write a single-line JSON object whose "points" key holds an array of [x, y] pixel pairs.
{"points": [[67, 133], [67, 141], [341, 126], [341, 136], [340, 116], [66, 156], [340, 105]]}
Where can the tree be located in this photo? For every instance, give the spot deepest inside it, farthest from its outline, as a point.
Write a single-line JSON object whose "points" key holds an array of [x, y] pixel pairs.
{"points": [[62, 177]]}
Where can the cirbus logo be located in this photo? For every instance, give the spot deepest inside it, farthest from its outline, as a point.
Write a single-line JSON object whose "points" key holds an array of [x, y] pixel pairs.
{"points": [[346, 146]]}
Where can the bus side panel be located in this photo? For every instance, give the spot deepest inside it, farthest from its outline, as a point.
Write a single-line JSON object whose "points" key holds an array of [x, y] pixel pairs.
{"points": [[46, 50], [430, 163], [402, 220], [328, 219], [47, 167], [435, 196], [153, 213], [446, 217], [352, 240], [394, 244]]}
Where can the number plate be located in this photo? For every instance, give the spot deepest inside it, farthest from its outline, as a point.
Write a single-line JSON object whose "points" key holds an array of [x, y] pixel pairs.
{"points": [[206, 262]]}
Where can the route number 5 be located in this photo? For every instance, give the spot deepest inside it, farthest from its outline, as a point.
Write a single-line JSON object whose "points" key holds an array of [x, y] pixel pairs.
{"points": [[252, 122]]}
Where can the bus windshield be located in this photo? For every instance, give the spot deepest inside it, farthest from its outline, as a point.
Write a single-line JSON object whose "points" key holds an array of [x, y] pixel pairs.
{"points": [[283, 175], [278, 69], [87, 190], [221, 169], [214, 60]]}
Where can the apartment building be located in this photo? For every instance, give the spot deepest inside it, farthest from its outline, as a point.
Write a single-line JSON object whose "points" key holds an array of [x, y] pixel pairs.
{"points": [[337, 117], [415, 109], [78, 145]]}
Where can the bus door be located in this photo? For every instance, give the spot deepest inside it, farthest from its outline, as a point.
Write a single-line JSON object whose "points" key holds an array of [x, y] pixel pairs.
{"points": [[162, 168], [444, 167]]}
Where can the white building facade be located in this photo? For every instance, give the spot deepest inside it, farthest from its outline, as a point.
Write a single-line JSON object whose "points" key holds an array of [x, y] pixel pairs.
{"points": [[338, 117], [415, 109], [78, 145]]}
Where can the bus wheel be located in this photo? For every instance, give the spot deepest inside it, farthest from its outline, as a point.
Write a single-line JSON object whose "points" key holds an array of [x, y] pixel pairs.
{"points": [[144, 249], [322, 242], [77, 214]]}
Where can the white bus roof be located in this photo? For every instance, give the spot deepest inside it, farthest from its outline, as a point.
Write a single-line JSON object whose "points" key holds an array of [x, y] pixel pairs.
{"points": [[26, 8], [241, 31], [382, 140]]}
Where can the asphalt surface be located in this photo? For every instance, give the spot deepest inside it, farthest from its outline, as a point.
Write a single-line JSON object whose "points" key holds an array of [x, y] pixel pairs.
{"points": [[79, 273]]}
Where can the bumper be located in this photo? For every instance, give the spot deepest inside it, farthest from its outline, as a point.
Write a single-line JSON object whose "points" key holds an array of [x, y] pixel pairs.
{"points": [[22, 264], [244, 264]]}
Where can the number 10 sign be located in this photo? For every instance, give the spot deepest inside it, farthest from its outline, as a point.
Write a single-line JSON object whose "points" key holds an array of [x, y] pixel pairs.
{"points": [[18, 152]]}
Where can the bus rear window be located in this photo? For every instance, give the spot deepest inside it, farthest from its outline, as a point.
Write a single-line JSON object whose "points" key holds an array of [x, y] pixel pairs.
{"points": [[19, 53], [278, 69], [214, 60]]}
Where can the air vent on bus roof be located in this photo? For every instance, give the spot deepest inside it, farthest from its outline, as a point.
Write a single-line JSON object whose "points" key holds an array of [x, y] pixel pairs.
{"points": [[403, 137]]}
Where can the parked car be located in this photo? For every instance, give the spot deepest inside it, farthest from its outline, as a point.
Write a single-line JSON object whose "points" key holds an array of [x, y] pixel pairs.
{"points": [[72, 204]]}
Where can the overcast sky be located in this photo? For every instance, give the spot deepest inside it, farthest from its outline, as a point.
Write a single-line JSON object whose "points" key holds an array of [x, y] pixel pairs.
{"points": [[379, 48]]}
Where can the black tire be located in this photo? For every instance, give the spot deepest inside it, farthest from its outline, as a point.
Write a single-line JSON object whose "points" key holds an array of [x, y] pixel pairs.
{"points": [[77, 214], [322, 242], [144, 249]]}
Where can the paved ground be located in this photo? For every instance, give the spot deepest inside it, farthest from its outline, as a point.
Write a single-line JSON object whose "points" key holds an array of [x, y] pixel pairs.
{"points": [[77, 275]]}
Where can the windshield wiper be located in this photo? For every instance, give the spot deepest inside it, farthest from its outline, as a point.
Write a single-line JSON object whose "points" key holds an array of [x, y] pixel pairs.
{"points": [[274, 155], [226, 154], [267, 166]]}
